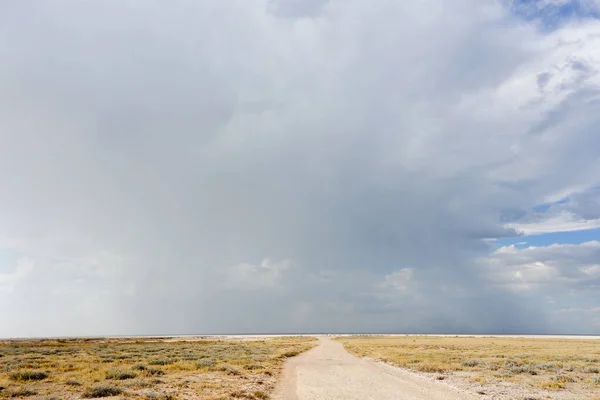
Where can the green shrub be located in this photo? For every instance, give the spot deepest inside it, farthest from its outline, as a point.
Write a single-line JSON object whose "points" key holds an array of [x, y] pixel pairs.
{"points": [[28, 375], [430, 368], [470, 363], [289, 354], [139, 384], [102, 391], [252, 367], [160, 361], [547, 366], [120, 375], [524, 369], [158, 396], [154, 372], [230, 370], [563, 379], [22, 392], [205, 363]]}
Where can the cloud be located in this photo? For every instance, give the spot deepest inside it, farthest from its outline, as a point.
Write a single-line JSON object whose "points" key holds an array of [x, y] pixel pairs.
{"points": [[401, 280], [577, 210], [558, 280], [296, 8], [150, 157], [563, 222], [21, 272], [265, 275], [559, 267]]}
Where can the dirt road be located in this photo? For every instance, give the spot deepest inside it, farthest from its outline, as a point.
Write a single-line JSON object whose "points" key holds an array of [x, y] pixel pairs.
{"points": [[328, 372]]}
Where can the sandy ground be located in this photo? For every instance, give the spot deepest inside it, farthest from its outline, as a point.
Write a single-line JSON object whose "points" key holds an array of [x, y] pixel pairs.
{"points": [[328, 372]]}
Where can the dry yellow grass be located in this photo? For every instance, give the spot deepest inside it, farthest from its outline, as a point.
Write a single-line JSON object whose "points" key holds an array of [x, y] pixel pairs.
{"points": [[551, 364], [152, 369]]}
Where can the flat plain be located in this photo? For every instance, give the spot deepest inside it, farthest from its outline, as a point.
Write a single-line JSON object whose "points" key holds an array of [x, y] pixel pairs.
{"points": [[145, 368], [499, 367]]}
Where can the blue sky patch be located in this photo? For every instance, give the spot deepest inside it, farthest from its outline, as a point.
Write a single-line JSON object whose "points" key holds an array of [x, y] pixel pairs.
{"points": [[546, 206], [575, 237], [554, 14]]}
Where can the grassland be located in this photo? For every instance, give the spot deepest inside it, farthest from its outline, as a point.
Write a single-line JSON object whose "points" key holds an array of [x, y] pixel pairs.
{"points": [[545, 364], [153, 369]]}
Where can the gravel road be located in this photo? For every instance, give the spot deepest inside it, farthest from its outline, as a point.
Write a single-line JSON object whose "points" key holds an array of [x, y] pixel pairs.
{"points": [[329, 372]]}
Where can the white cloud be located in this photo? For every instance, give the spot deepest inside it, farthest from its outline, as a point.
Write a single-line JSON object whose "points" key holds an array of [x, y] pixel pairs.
{"points": [[558, 267], [267, 274], [563, 222], [560, 281], [23, 269], [400, 280]]}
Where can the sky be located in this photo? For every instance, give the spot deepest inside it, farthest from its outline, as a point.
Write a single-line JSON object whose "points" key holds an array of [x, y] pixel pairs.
{"points": [[292, 166]]}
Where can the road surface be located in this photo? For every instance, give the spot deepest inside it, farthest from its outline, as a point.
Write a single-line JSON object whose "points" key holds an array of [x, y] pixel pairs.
{"points": [[328, 372]]}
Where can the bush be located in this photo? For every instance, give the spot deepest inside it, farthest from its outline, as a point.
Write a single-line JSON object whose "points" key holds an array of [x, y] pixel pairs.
{"points": [[72, 382], [23, 392], [102, 391], [289, 354], [563, 379], [524, 369], [120, 375], [547, 366], [550, 385], [138, 384], [139, 367], [230, 370], [154, 372], [205, 363], [470, 363], [158, 396], [160, 361], [28, 375], [430, 368], [252, 367], [591, 370]]}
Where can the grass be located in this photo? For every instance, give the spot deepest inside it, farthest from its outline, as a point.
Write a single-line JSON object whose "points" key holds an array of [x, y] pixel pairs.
{"points": [[154, 372], [550, 364], [158, 396], [155, 369], [120, 375], [27, 375], [102, 391], [20, 392]]}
